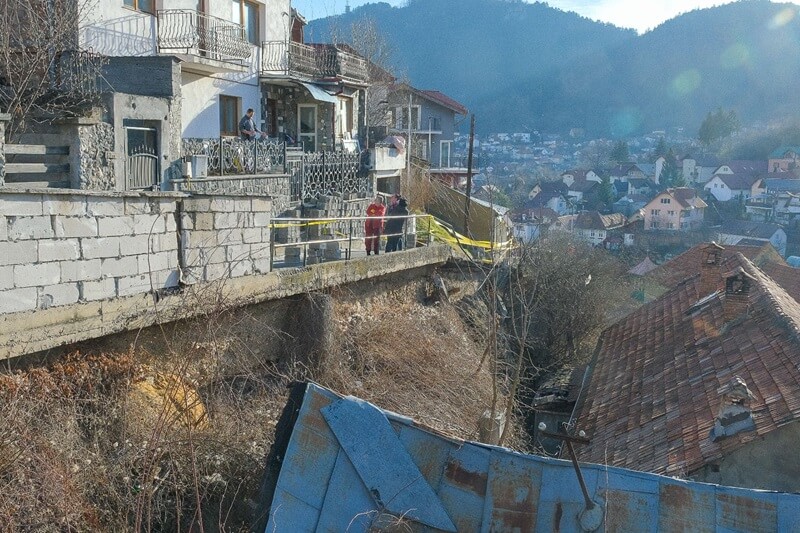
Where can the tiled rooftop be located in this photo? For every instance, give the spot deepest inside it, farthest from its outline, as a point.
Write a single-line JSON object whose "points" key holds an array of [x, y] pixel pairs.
{"points": [[652, 398]]}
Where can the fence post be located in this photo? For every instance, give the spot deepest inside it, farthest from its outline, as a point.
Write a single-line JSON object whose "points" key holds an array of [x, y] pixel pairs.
{"points": [[221, 157], [4, 117], [255, 156]]}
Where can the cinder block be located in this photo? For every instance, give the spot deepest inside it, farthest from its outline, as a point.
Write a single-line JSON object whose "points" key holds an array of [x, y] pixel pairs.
{"points": [[241, 268], [149, 224], [105, 207], [204, 221], [52, 205], [169, 220], [80, 270], [237, 252], [137, 206], [3, 228], [60, 250], [226, 220], [15, 205], [167, 206], [129, 285], [222, 205], [100, 248], [251, 235], [197, 205], [199, 239], [261, 219], [242, 205], [136, 245], [37, 274], [164, 243], [203, 256], [187, 221], [154, 262], [165, 278], [23, 228], [61, 294], [261, 205], [69, 227], [259, 252], [230, 236], [16, 300], [6, 278], [215, 271], [118, 267], [98, 290], [115, 226], [261, 266], [17, 253]]}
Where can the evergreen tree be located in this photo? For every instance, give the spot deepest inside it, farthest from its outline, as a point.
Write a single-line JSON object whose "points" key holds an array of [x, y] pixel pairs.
{"points": [[671, 174], [718, 125], [620, 154], [605, 196], [660, 150]]}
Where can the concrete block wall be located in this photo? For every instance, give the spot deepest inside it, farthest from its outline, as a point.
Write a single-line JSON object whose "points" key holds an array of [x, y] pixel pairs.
{"points": [[224, 236], [64, 247]]}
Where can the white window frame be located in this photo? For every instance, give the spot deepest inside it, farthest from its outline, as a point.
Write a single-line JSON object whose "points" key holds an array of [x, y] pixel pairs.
{"points": [[400, 113], [312, 135], [442, 162]]}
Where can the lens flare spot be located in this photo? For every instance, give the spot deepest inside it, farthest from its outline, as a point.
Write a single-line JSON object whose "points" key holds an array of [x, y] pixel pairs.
{"points": [[686, 82], [626, 122], [782, 18], [735, 56]]}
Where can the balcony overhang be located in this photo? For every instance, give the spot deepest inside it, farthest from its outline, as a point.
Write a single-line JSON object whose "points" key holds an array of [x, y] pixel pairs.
{"points": [[197, 64]]}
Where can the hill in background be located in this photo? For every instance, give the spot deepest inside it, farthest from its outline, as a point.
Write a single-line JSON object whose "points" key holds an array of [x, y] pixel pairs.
{"points": [[521, 66]]}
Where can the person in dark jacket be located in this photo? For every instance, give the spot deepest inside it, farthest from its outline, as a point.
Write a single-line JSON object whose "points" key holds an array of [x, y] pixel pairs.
{"points": [[394, 226]]}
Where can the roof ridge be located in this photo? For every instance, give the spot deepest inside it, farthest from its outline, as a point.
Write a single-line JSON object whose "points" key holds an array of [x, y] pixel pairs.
{"points": [[774, 293]]}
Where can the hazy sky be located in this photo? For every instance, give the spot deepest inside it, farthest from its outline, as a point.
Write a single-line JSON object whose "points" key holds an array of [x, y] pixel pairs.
{"points": [[638, 14]]}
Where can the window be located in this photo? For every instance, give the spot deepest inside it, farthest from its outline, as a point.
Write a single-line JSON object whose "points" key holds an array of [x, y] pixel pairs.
{"points": [[230, 107], [665, 200], [671, 213], [655, 212], [146, 6], [400, 116], [444, 153], [246, 14], [307, 127]]}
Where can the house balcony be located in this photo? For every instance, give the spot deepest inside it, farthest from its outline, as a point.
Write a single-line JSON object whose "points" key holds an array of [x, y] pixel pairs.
{"points": [[311, 62], [205, 43], [387, 159]]}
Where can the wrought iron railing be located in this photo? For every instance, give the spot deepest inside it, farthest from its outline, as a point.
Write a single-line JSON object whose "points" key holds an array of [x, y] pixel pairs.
{"points": [[191, 32], [311, 61], [311, 175]]}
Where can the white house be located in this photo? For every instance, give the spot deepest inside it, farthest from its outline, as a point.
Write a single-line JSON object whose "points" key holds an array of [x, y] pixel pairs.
{"points": [[725, 187], [746, 232]]}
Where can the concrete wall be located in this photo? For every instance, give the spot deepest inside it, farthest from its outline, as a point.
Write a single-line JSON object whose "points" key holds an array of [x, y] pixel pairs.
{"points": [[224, 237], [61, 248], [277, 188]]}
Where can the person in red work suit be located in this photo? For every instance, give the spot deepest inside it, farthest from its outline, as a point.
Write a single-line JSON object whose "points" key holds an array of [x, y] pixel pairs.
{"points": [[374, 225]]}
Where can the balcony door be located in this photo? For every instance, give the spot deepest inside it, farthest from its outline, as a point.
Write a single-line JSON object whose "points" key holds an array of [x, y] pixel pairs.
{"points": [[307, 126]]}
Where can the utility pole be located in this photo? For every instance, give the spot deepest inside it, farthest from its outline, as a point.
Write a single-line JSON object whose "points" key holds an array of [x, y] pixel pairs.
{"points": [[469, 174]]}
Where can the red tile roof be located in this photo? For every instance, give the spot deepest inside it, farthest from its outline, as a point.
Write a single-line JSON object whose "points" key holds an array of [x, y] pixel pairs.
{"points": [[446, 101], [652, 397], [785, 276], [687, 264]]}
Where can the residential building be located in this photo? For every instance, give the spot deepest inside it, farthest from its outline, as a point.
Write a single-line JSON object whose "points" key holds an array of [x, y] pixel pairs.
{"points": [[550, 194], [698, 170], [429, 116], [531, 224], [726, 187], [702, 382], [571, 176], [784, 159], [748, 232], [601, 230], [676, 208]]}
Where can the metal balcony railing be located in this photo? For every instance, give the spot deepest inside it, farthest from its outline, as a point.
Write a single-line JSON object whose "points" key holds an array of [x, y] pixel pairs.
{"points": [[191, 32], [311, 61]]}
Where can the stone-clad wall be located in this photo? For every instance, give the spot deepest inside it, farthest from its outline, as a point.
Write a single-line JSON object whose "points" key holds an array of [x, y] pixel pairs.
{"points": [[65, 247], [276, 187], [224, 237]]}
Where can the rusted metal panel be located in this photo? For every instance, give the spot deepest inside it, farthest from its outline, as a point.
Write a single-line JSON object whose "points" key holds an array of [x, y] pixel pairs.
{"points": [[484, 488], [383, 464]]}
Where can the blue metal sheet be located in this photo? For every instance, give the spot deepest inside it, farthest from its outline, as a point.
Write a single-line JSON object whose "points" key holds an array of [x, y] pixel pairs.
{"points": [[482, 488], [348, 505], [742, 510], [383, 464], [463, 486]]}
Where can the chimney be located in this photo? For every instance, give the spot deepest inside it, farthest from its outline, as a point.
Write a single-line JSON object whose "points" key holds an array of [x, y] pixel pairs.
{"points": [[737, 295], [734, 414], [709, 269]]}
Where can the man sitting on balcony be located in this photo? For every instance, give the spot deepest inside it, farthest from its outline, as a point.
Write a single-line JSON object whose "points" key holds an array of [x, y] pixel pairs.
{"points": [[247, 126]]}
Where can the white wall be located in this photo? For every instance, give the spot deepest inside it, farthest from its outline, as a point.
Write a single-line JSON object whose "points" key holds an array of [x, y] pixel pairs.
{"points": [[719, 190]]}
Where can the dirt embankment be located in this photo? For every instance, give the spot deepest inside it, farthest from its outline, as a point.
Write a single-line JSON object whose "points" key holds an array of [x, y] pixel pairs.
{"points": [[169, 430]]}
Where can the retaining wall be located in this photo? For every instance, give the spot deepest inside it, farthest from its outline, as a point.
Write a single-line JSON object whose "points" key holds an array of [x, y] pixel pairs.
{"points": [[59, 248]]}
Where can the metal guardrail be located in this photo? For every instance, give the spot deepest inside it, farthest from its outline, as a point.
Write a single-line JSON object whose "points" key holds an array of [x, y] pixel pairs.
{"points": [[338, 239], [233, 155], [311, 61], [196, 33]]}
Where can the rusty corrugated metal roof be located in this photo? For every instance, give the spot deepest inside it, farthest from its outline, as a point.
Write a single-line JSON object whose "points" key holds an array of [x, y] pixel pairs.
{"points": [[342, 464]]}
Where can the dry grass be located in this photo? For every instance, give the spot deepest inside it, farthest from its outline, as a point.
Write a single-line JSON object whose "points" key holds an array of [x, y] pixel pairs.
{"points": [[83, 449]]}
